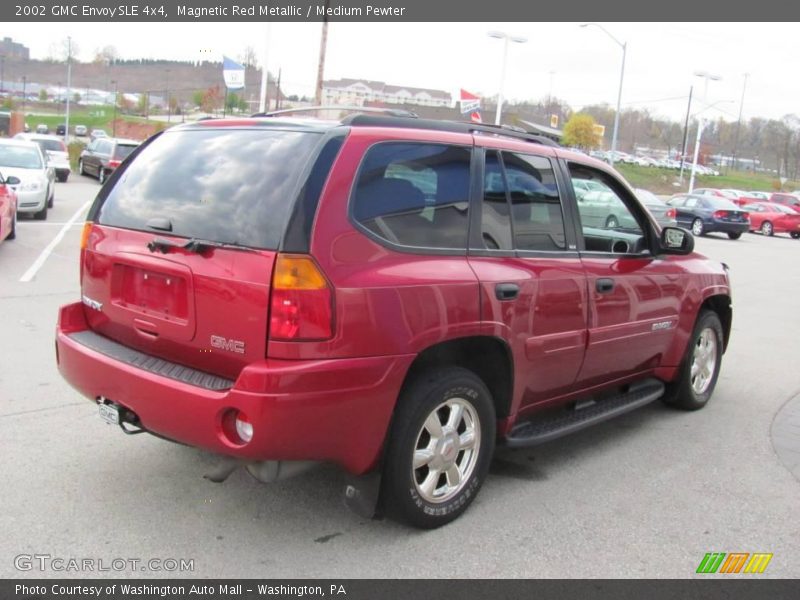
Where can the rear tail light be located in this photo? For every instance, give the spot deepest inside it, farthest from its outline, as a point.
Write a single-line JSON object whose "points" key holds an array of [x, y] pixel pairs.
{"points": [[114, 163], [302, 302], [718, 214], [746, 216], [85, 232], [671, 213]]}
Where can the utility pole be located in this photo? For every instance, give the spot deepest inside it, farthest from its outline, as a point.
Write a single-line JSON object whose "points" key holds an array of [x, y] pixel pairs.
{"points": [[169, 108], [116, 101], [686, 134], [739, 122], [2, 71], [69, 88], [278, 91], [262, 102], [24, 96], [323, 44]]}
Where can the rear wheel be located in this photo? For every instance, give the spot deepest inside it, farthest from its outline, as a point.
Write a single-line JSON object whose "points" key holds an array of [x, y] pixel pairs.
{"points": [[611, 222], [700, 368], [63, 177], [101, 176], [766, 228], [734, 236], [81, 170], [51, 200], [795, 235], [13, 233], [439, 449], [697, 227]]}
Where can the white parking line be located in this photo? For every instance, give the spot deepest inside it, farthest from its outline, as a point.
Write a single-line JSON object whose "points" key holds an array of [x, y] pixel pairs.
{"points": [[37, 264]]}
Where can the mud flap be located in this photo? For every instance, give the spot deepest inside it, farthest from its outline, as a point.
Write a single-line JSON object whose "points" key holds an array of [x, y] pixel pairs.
{"points": [[362, 494]]}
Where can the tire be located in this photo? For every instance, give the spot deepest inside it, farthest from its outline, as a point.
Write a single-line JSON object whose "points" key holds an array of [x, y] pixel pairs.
{"points": [[101, 176], [611, 222], [81, 170], [419, 496], [41, 215], [697, 228], [795, 235], [692, 392], [767, 229], [62, 178], [734, 236], [13, 233], [51, 200]]}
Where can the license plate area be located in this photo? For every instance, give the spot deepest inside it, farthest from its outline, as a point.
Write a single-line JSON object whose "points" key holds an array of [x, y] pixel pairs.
{"points": [[109, 413]]}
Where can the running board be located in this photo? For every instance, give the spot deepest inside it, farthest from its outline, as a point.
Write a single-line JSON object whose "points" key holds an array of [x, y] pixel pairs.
{"points": [[550, 427]]}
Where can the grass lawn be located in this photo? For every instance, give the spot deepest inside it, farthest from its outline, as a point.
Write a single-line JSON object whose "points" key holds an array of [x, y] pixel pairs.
{"points": [[95, 117], [663, 181]]}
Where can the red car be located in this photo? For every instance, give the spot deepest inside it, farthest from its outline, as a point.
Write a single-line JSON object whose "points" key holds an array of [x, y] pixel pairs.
{"points": [[770, 218], [389, 294], [8, 208], [790, 200]]}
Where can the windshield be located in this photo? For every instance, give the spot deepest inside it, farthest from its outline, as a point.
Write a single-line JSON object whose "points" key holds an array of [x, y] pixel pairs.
{"points": [[20, 157], [223, 185]]}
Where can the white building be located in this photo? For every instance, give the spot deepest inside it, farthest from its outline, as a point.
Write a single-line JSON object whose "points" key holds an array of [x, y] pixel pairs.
{"points": [[355, 92]]}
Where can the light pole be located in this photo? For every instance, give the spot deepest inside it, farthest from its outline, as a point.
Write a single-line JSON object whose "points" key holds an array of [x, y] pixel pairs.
{"points": [[506, 38], [624, 46], [69, 88], [116, 101], [701, 124], [739, 122], [169, 108], [685, 134]]}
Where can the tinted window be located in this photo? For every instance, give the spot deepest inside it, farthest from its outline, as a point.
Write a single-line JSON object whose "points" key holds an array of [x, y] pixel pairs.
{"points": [[415, 194], [495, 215], [535, 206], [53, 145], [228, 186], [123, 150]]}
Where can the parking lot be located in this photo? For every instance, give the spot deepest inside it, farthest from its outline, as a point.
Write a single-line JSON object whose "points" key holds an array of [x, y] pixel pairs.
{"points": [[645, 495]]}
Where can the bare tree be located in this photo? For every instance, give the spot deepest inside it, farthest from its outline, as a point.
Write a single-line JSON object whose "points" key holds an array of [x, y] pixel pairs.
{"points": [[249, 57]]}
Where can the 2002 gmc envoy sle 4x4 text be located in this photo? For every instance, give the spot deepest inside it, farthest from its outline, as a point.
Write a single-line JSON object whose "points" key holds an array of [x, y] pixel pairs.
{"points": [[389, 294]]}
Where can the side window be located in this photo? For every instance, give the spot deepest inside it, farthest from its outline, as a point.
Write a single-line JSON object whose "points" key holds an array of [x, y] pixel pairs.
{"points": [[691, 202], [536, 216], [607, 222], [415, 194], [495, 215]]}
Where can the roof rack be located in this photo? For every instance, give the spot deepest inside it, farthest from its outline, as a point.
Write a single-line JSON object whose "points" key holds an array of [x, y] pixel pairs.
{"points": [[452, 126], [395, 112]]}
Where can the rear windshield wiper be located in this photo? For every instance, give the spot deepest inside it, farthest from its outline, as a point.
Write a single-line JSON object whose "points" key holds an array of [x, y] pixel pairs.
{"points": [[195, 245]]}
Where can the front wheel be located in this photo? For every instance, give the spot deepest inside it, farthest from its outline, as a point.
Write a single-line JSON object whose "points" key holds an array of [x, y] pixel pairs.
{"points": [[439, 449], [13, 233], [733, 235], [697, 227], [611, 222], [795, 235], [766, 228], [700, 368]]}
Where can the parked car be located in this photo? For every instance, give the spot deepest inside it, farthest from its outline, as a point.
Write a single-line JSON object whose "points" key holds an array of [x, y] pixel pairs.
{"points": [[97, 133], [25, 161], [80, 130], [604, 209], [61, 129], [42, 128], [760, 196], [103, 155], [663, 214], [729, 194], [790, 200], [284, 292], [55, 151], [707, 214], [770, 218], [8, 208]]}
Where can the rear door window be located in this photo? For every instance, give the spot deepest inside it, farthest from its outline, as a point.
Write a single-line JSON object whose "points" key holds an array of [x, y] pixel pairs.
{"points": [[233, 186], [414, 194]]}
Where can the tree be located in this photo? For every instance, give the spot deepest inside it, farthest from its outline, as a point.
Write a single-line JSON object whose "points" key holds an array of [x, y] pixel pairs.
{"points": [[580, 131], [60, 50], [43, 95], [197, 98], [249, 57], [212, 99], [105, 55]]}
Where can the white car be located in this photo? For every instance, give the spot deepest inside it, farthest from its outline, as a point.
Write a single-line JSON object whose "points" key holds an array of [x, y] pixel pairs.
{"points": [[36, 188], [54, 150]]}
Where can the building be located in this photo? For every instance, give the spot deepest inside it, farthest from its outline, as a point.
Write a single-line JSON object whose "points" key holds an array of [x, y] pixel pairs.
{"points": [[355, 92], [11, 49]]}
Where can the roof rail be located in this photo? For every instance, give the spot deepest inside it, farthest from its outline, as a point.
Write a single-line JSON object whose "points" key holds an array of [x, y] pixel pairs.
{"points": [[395, 112], [453, 126]]}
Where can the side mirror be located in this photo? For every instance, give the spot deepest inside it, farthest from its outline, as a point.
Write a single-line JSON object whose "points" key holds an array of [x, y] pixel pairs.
{"points": [[675, 240], [12, 180]]}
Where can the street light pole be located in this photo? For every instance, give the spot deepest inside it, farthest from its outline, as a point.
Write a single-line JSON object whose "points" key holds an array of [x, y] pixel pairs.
{"points": [[624, 46], [701, 124], [506, 38], [69, 88], [685, 134], [116, 101], [739, 122]]}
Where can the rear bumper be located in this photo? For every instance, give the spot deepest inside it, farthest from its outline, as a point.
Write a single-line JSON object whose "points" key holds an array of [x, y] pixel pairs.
{"points": [[726, 227], [322, 410]]}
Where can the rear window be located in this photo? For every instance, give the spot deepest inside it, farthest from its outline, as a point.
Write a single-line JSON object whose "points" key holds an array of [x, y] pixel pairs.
{"points": [[232, 186], [721, 204], [123, 150], [52, 145]]}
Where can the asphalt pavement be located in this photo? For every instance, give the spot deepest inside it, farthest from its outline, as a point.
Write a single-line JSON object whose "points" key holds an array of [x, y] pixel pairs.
{"points": [[645, 495]]}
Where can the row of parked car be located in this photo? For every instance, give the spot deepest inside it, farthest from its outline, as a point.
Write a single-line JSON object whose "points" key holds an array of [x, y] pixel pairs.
{"points": [[30, 165], [647, 161]]}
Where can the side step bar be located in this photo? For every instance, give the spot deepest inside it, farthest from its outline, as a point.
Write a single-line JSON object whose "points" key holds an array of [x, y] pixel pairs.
{"points": [[549, 427]]}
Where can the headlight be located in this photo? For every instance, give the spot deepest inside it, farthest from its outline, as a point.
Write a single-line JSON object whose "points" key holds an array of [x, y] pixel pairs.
{"points": [[31, 186]]}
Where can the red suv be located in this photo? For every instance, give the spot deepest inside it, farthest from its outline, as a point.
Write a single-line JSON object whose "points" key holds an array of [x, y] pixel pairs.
{"points": [[389, 294]]}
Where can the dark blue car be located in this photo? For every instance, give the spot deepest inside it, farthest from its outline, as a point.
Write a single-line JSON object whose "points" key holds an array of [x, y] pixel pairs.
{"points": [[705, 214]]}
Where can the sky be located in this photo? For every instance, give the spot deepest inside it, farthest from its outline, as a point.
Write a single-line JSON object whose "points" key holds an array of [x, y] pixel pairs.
{"points": [[578, 65]]}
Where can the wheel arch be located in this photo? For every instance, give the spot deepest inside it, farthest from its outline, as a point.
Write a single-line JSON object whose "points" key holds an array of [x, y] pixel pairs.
{"points": [[721, 305]]}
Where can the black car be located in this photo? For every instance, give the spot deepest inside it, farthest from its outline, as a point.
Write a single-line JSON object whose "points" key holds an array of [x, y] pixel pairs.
{"points": [[61, 129], [103, 155], [705, 214]]}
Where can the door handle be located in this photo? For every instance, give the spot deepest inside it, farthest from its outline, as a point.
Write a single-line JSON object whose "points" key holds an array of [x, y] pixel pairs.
{"points": [[506, 291], [604, 285]]}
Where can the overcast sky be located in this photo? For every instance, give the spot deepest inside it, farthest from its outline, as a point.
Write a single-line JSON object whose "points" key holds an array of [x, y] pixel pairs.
{"points": [[584, 62]]}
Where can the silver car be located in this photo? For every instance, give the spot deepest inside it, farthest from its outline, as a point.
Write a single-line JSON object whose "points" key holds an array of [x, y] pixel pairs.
{"points": [[664, 215], [36, 188], [604, 210], [55, 151]]}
